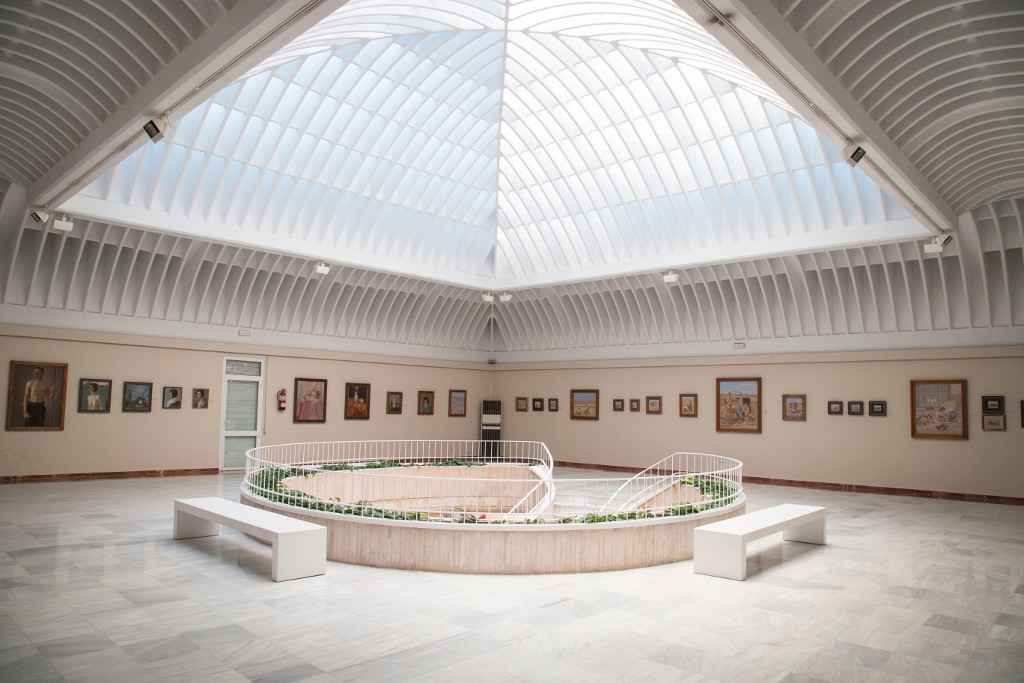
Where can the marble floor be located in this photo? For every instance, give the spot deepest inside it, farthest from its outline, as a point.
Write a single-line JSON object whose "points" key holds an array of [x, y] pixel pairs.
{"points": [[93, 588]]}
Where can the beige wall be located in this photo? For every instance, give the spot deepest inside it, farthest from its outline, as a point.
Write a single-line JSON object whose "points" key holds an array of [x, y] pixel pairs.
{"points": [[865, 450]]}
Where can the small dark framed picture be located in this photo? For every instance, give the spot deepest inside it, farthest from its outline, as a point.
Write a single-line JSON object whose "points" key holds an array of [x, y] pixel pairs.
{"points": [[992, 405], [835, 407], [94, 395], [522, 404], [794, 407], [456, 403], [538, 405], [687, 405], [855, 407], [310, 400], [394, 403], [993, 423], [877, 408], [425, 402], [357, 401], [200, 398], [634, 405], [137, 398], [171, 398], [654, 405], [552, 405], [618, 404]]}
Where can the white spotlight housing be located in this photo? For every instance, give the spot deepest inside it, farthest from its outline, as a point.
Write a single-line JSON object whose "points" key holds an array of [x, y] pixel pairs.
{"points": [[504, 297], [39, 215], [670, 277], [488, 297], [322, 268], [156, 129], [853, 153], [938, 243], [63, 223]]}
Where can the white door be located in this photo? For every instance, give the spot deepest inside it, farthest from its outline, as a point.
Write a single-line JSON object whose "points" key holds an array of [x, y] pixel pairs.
{"points": [[242, 418]]}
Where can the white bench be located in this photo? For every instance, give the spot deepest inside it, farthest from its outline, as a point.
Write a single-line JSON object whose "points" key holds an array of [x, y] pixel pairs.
{"points": [[720, 548], [300, 548]]}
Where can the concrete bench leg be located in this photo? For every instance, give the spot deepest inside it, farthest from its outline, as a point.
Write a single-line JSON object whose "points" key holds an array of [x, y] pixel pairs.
{"points": [[723, 555], [811, 532], [190, 526], [300, 554]]}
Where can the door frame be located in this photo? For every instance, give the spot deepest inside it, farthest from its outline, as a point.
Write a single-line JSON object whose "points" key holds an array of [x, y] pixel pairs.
{"points": [[261, 385]]}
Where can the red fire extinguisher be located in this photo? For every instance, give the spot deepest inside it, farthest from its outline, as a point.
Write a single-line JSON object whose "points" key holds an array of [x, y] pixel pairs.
{"points": [[282, 399]]}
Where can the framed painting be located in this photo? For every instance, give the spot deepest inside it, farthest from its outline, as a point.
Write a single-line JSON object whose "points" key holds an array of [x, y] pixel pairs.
{"points": [[654, 405], [855, 407], [137, 398], [310, 400], [357, 401], [425, 403], [992, 405], [583, 404], [538, 405], [522, 404], [835, 407], [634, 405], [794, 407], [552, 405], [618, 404], [201, 398], [94, 395], [739, 405], [456, 403], [394, 403], [877, 408], [35, 396], [687, 405], [993, 423], [171, 398], [938, 409]]}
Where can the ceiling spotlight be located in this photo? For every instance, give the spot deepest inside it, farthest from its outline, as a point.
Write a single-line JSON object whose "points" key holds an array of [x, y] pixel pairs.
{"points": [[322, 268], [938, 243], [670, 277], [157, 128], [504, 297], [63, 223], [853, 153], [39, 215], [488, 297]]}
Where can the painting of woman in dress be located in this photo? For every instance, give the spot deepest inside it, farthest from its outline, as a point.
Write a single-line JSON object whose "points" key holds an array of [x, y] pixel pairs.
{"points": [[311, 400]]}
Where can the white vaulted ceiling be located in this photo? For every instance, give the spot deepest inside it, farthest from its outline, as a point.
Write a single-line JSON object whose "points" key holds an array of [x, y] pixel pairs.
{"points": [[567, 152]]}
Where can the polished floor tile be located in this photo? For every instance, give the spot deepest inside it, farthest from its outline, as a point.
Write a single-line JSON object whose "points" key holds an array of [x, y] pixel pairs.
{"points": [[908, 589]]}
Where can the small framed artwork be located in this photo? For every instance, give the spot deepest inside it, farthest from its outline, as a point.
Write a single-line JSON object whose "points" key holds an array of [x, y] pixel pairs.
{"points": [[137, 398], [993, 423], [171, 398], [425, 402], [456, 403], [634, 405], [855, 407], [739, 405], [357, 401], [835, 407], [552, 405], [394, 403], [938, 409], [618, 404], [94, 395], [654, 405], [310, 400], [36, 396], [200, 398], [794, 407], [687, 405], [538, 405], [522, 404], [877, 408], [583, 404], [1022, 414], [992, 405]]}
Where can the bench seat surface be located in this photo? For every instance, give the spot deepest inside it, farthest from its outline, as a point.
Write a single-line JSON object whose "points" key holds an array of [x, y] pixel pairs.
{"points": [[762, 522]]}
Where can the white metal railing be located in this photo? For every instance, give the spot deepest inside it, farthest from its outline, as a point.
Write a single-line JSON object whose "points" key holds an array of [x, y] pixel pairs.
{"points": [[500, 481]]}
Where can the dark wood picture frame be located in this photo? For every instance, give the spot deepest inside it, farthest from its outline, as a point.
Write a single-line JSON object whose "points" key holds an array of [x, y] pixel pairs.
{"points": [[835, 407], [584, 404], [993, 405], [50, 385], [137, 397], [96, 400], [393, 403], [457, 402], [357, 401], [855, 408], [877, 408], [938, 409], [687, 405], [794, 407], [653, 405], [424, 402], [552, 405], [200, 398], [618, 404], [522, 404], [634, 405], [170, 398], [739, 405], [310, 400], [538, 405]]}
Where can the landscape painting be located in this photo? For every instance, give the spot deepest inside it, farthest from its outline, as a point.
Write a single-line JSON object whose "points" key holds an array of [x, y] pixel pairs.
{"points": [[739, 405]]}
